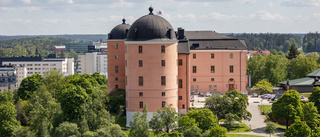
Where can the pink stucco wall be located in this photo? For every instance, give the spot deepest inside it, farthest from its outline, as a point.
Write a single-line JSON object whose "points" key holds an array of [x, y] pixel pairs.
{"points": [[221, 75], [184, 75], [151, 72]]}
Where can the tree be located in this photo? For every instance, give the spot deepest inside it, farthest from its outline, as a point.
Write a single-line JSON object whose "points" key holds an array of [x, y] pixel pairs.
{"points": [[255, 67], [263, 87], [67, 129], [315, 97], [230, 120], [313, 55], [298, 129], [310, 114], [53, 81], [287, 107], [8, 121], [293, 52], [29, 85], [300, 67], [275, 69], [270, 128], [232, 102], [165, 119], [193, 131], [204, 118], [101, 79], [44, 112], [19, 51], [22, 132], [139, 127], [186, 122], [316, 132], [218, 131], [113, 131]]}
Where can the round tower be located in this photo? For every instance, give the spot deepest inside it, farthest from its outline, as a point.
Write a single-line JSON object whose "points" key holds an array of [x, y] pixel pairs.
{"points": [[116, 64], [151, 65]]}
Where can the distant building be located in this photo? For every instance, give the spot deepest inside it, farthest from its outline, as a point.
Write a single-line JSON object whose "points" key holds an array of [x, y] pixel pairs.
{"points": [[11, 77], [39, 65], [58, 49], [305, 84], [258, 52], [83, 47], [92, 62]]}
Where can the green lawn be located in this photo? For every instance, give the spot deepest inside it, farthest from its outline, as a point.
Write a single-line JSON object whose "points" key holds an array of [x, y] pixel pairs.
{"points": [[240, 135], [265, 108], [239, 128], [306, 94]]}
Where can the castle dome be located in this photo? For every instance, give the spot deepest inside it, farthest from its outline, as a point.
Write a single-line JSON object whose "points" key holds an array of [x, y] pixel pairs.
{"points": [[151, 27], [120, 31]]}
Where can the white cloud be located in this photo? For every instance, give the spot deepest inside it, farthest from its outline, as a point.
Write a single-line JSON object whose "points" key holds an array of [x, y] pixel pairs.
{"points": [[121, 4], [189, 16], [4, 2], [270, 4], [56, 21], [26, 1], [224, 17], [316, 15], [247, 1], [19, 20], [299, 3], [20, 9], [61, 1], [264, 15]]}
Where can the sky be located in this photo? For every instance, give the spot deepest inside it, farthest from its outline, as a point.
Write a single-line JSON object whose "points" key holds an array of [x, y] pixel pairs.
{"points": [[51, 17]]}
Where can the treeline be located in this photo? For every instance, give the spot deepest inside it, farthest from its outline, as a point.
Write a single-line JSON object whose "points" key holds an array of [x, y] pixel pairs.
{"points": [[76, 37], [279, 42], [53, 105]]}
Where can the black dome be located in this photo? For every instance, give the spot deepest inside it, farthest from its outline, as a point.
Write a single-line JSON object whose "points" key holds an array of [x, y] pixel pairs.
{"points": [[151, 27], [120, 31]]}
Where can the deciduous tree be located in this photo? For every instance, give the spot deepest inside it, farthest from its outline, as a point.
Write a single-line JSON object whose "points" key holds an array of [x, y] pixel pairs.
{"points": [[29, 85], [298, 129], [204, 118], [164, 120]]}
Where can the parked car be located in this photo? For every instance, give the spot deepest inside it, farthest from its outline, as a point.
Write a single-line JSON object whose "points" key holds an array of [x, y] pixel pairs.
{"points": [[202, 94], [271, 96], [255, 95], [301, 96], [276, 97], [208, 94], [264, 96]]}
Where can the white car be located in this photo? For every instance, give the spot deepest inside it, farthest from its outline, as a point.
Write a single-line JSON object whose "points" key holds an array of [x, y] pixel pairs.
{"points": [[208, 94]]}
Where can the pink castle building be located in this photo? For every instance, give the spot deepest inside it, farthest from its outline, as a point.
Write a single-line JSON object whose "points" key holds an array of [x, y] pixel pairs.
{"points": [[158, 66]]}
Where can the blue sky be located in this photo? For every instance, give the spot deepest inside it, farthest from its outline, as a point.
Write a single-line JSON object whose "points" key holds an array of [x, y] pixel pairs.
{"points": [[44, 17]]}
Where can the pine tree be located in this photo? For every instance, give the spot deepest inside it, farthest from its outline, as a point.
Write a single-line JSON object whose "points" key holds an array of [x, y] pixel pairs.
{"points": [[293, 53]]}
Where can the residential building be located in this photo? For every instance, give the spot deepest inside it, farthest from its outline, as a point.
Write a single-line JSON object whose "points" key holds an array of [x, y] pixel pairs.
{"points": [[92, 62], [159, 66], [11, 77], [59, 49], [79, 47], [39, 65]]}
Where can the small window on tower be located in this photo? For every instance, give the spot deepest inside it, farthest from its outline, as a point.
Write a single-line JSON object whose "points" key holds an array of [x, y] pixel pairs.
{"points": [[194, 79], [116, 79], [116, 86], [141, 104], [141, 94], [194, 56], [116, 45], [116, 56], [140, 63], [180, 97], [163, 93], [163, 104], [163, 49], [180, 62], [212, 55], [163, 63], [140, 49]]}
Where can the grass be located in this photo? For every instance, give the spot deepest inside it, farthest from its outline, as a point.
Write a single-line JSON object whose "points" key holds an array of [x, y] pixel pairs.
{"points": [[265, 108], [241, 135], [238, 128], [306, 94]]}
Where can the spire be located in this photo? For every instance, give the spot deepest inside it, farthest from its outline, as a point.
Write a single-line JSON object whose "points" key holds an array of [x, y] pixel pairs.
{"points": [[123, 21], [150, 9]]}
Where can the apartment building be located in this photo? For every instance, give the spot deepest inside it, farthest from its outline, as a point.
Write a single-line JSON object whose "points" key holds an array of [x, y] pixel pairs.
{"points": [[92, 62], [11, 77]]}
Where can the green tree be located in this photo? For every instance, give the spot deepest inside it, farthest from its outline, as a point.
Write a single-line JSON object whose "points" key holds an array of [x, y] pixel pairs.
{"points": [[165, 119], [275, 69], [139, 127], [218, 131], [204, 118], [193, 131], [300, 67], [281, 54], [315, 97], [293, 52], [270, 128], [256, 67], [186, 122], [101, 79], [273, 51], [263, 87], [310, 114], [19, 51], [232, 102], [53, 81], [298, 129], [316, 132], [67, 129], [287, 107], [22, 132], [29, 85], [44, 112], [313, 55], [230, 120], [112, 131], [8, 113]]}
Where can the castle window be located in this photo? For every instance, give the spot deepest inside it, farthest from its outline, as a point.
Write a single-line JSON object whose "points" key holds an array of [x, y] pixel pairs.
{"points": [[140, 63], [180, 83], [194, 79], [116, 69], [231, 68], [194, 56], [180, 62], [141, 94], [116, 79], [116, 45], [163, 80], [163, 63], [116, 56], [212, 69], [180, 97], [141, 104], [140, 80], [231, 55], [183, 106], [194, 69], [163, 49], [212, 55], [116, 86], [212, 79], [163, 94], [163, 104], [140, 49]]}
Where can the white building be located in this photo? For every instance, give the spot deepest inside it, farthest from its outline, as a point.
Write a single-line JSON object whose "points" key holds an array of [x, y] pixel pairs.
{"points": [[39, 65], [92, 62], [11, 77]]}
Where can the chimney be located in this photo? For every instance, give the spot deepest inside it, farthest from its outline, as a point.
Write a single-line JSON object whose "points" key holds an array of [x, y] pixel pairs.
{"points": [[180, 33]]}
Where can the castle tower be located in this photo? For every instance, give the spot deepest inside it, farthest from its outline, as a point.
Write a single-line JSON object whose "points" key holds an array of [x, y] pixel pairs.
{"points": [[151, 65], [116, 64]]}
